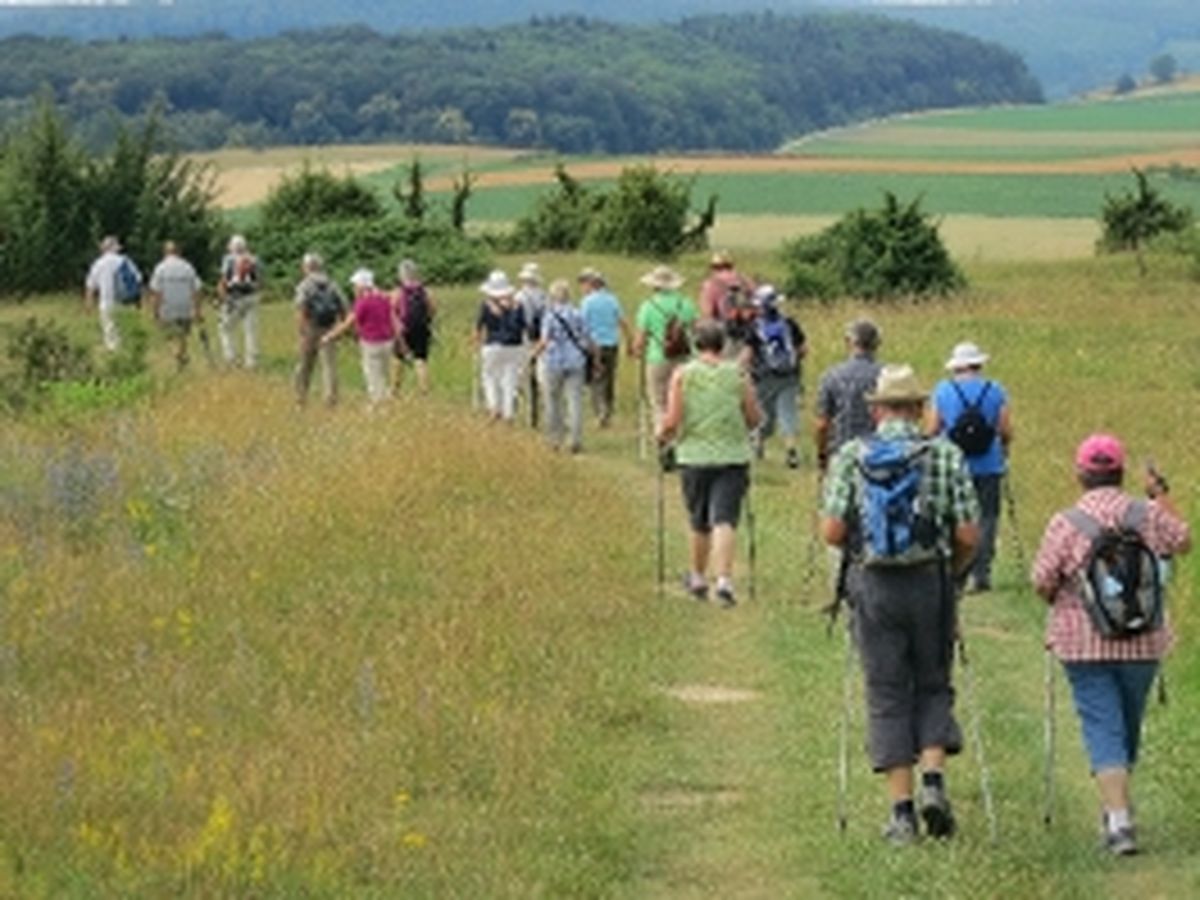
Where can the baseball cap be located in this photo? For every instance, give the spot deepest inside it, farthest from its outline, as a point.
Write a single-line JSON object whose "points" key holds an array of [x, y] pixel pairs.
{"points": [[1100, 453]]}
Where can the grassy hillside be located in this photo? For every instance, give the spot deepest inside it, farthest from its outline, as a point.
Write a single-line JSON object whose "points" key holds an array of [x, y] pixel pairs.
{"points": [[245, 652]]}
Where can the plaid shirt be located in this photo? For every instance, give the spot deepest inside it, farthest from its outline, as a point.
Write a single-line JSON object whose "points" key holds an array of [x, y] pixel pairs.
{"points": [[1059, 564], [841, 399], [951, 490]]}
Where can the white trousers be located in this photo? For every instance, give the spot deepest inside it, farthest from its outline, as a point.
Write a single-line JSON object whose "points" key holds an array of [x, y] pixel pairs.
{"points": [[108, 327], [376, 367], [502, 369], [245, 311]]}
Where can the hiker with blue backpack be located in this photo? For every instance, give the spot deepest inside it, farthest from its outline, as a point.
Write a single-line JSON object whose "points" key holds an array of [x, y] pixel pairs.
{"points": [[1099, 567], [902, 509], [776, 347], [973, 411], [113, 282]]}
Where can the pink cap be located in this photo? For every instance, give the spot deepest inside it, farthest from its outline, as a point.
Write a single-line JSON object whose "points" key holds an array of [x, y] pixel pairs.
{"points": [[1100, 453]]}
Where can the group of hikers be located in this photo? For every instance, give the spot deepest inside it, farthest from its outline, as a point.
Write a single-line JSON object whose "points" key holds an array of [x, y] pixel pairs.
{"points": [[911, 480], [912, 484], [396, 323]]}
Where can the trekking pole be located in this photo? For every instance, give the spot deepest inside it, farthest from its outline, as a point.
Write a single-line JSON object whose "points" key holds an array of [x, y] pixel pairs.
{"points": [[661, 478], [751, 534], [985, 782], [1048, 735], [641, 415], [843, 815], [1010, 503]]}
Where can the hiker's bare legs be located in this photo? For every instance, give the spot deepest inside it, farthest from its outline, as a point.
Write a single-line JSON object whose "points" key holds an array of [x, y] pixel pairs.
{"points": [[900, 779], [1114, 788], [701, 546], [422, 368], [724, 543]]}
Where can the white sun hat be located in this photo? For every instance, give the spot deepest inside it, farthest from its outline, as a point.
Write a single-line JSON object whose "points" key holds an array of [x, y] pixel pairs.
{"points": [[363, 278], [966, 356], [497, 285]]}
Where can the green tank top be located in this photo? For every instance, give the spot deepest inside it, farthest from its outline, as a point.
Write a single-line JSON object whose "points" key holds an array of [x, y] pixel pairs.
{"points": [[714, 430]]}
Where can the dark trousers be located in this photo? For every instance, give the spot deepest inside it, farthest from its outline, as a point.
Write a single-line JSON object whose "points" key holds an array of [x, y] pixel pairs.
{"points": [[604, 383], [987, 489], [904, 625]]}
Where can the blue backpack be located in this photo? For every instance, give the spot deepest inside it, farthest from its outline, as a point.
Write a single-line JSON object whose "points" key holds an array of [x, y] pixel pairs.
{"points": [[777, 349], [897, 520], [129, 283]]}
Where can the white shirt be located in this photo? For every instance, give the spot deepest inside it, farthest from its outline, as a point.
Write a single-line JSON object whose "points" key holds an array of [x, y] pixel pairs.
{"points": [[102, 278]]}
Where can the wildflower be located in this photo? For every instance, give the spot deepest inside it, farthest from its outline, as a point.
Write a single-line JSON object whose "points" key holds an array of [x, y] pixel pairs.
{"points": [[414, 840]]}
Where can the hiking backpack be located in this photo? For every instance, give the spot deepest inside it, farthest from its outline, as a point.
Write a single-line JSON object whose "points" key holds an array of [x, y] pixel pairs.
{"points": [[777, 351], [128, 283], [323, 305], [675, 343], [1120, 582], [735, 310], [241, 274], [416, 308], [897, 521], [971, 430]]}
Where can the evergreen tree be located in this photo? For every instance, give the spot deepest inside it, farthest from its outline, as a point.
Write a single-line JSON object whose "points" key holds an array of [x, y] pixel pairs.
{"points": [[1132, 218]]}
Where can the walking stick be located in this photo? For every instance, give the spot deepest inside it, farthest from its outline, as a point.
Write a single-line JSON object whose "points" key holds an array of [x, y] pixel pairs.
{"points": [[661, 521], [1048, 735], [844, 733], [751, 529], [642, 409], [985, 783]]}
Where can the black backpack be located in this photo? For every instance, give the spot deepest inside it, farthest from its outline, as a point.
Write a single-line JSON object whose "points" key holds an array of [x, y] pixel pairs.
{"points": [[1120, 582], [971, 430], [323, 305], [416, 308]]}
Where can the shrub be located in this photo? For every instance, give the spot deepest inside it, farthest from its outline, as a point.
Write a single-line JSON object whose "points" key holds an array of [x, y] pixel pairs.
{"points": [[316, 195], [895, 251], [1134, 217], [559, 219]]}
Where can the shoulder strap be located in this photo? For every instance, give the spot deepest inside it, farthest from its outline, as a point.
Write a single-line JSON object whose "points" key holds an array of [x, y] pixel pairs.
{"points": [[1135, 515], [570, 331], [1083, 522], [967, 404]]}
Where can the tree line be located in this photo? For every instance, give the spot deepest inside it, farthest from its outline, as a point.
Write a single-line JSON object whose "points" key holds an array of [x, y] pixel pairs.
{"points": [[571, 84]]}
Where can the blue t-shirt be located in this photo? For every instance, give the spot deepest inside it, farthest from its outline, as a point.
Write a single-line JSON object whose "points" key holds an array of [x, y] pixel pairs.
{"points": [[603, 315], [950, 406]]}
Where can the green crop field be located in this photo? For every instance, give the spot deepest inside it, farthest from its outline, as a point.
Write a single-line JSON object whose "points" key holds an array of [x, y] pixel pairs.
{"points": [[835, 193], [250, 651]]}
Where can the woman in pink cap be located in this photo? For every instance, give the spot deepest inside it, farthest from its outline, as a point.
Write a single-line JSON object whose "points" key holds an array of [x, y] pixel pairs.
{"points": [[1110, 674]]}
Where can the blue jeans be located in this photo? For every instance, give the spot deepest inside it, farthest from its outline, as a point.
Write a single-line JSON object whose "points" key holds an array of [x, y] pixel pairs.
{"points": [[1110, 699]]}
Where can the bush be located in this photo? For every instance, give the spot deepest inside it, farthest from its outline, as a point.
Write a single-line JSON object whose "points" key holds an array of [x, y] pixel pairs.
{"points": [[895, 251], [314, 195], [1133, 218], [645, 214]]}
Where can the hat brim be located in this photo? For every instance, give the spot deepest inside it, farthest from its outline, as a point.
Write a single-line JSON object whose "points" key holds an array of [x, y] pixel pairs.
{"points": [[966, 363], [667, 284], [910, 397]]}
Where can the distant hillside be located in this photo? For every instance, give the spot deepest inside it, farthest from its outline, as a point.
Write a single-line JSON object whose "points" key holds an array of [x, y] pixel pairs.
{"points": [[1069, 45], [575, 85]]}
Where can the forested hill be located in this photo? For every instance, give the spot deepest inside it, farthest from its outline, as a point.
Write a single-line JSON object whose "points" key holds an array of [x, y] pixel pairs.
{"points": [[744, 82]]}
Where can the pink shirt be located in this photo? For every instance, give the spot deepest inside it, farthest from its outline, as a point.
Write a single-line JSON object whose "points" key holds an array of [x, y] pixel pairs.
{"points": [[716, 286], [373, 319], [1060, 560]]}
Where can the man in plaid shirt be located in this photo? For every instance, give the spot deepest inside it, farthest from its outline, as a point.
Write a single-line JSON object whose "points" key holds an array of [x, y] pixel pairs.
{"points": [[1110, 677], [904, 617]]}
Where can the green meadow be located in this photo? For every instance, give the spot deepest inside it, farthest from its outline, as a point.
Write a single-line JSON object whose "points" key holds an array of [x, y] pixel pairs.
{"points": [[247, 651]]}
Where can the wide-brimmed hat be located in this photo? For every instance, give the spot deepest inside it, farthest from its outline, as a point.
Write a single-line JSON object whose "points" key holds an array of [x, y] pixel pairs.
{"points": [[966, 356], [531, 271], [1100, 453], [662, 278], [363, 278], [110, 244], [897, 383], [721, 259], [590, 275], [497, 285]]}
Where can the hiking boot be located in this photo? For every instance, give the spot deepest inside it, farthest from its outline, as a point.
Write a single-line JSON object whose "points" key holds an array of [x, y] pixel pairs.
{"points": [[900, 831], [936, 812], [793, 458], [1121, 841], [696, 587], [725, 596]]}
